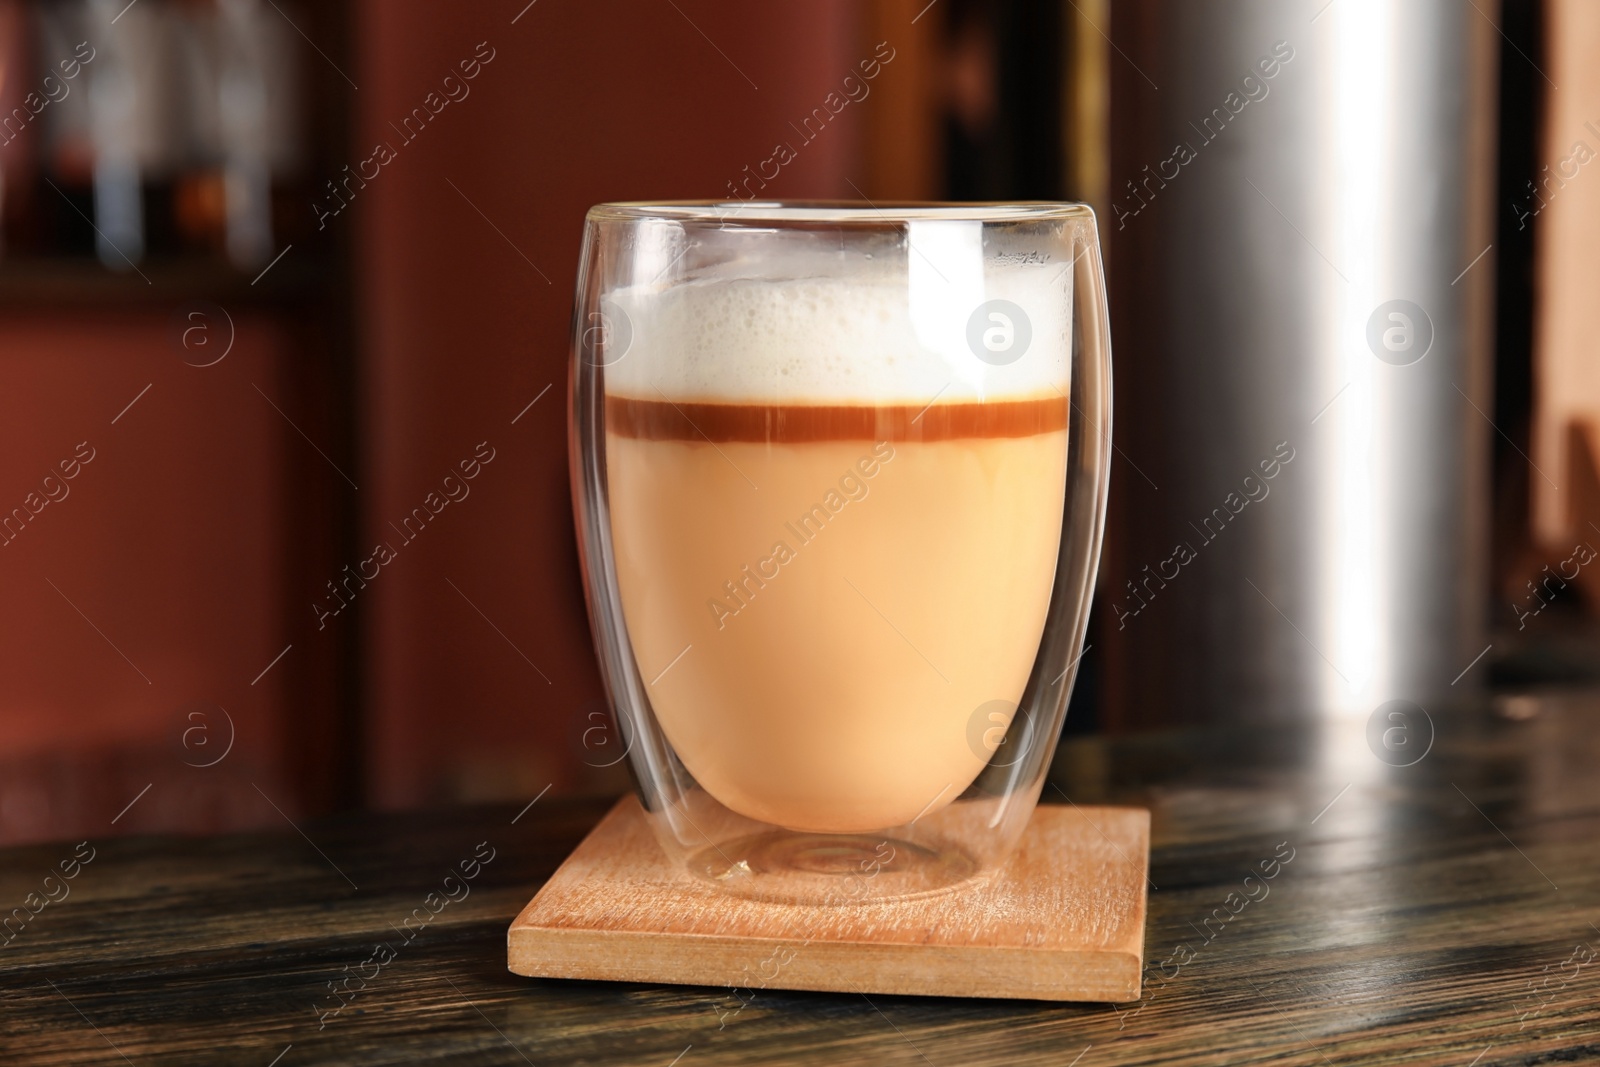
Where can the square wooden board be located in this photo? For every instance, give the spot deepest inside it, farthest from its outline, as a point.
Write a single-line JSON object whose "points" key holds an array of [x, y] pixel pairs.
{"points": [[1063, 921]]}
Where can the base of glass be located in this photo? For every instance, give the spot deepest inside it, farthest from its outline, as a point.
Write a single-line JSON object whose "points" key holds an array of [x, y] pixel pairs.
{"points": [[793, 867]]}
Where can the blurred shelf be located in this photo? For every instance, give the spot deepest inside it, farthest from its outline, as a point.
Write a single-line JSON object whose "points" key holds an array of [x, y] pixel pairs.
{"points": [[45, 284]]}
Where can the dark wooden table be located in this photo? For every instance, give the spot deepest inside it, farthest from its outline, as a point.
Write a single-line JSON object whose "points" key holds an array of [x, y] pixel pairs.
{"points": [[1441, 913]]}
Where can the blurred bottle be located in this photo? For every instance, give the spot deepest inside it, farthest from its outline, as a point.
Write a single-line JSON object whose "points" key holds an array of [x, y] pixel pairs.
{"points": [[18, 148], [257, 106], [61, 130], [136, 105]]}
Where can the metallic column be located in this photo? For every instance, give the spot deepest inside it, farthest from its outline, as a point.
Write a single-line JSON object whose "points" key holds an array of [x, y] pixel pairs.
{"points": [[1299, 226]]}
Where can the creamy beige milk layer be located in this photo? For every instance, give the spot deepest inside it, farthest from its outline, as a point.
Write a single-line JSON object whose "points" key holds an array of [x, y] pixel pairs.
{"points": [[835, 534]]}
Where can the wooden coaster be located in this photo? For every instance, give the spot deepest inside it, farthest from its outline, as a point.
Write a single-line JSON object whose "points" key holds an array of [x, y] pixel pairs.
{"points": [[1063, 921]]}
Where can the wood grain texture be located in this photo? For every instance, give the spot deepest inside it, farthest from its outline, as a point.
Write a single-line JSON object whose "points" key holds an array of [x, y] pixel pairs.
{"points": [[1063, 921], [1414, 925]]}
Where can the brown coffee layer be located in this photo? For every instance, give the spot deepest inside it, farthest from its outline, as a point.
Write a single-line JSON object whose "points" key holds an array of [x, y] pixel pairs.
{"points": [[665, 420]]}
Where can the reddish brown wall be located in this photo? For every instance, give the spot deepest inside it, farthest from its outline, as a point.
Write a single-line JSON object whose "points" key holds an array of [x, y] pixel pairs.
{"points": [[170, 546], [582, 103]]}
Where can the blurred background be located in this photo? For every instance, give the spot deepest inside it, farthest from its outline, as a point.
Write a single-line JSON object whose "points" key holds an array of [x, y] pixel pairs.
{"points": [[271, 270]]}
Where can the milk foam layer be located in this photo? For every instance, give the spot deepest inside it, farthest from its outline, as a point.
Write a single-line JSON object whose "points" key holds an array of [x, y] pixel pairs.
{"points": [[884, 337]]}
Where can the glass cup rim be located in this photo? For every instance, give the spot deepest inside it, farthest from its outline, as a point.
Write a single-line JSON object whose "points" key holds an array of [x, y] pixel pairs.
{"points": [[769, 212]]}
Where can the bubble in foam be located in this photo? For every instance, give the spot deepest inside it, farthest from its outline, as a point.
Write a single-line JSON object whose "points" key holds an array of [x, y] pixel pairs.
{"points": [[840, 339]]}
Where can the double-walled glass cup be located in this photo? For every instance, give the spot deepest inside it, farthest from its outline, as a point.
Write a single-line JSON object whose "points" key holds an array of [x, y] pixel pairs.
{"points": [[839, 474]]}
